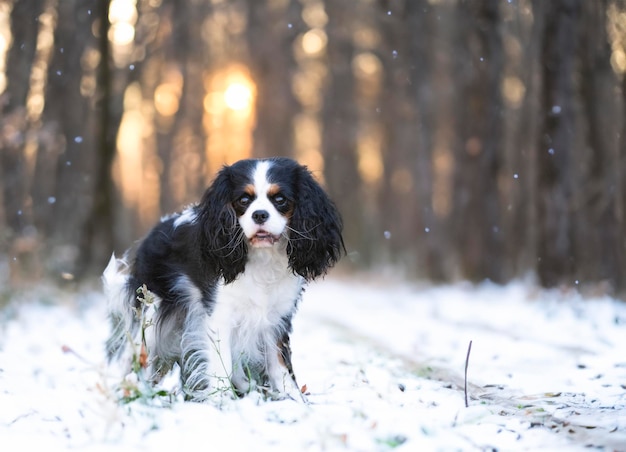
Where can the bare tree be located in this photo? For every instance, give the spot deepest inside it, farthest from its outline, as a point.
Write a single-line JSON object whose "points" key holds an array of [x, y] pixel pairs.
{"points": [[64, 170], [98, 239], [601, 251], [181, 144], [339, 137], [271, 33], [14, 121], [556, 253], [408, 118], [476, 217]]}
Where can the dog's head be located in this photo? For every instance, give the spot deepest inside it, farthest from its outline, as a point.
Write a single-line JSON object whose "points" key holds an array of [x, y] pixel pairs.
{"points": [[264, 204]]}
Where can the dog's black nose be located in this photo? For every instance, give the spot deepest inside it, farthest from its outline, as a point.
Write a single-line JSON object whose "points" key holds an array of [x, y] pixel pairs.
{"points": [[260, 216]]}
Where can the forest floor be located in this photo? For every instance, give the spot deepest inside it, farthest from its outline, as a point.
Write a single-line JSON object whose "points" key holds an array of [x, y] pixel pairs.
{"points": [[383, 367]]}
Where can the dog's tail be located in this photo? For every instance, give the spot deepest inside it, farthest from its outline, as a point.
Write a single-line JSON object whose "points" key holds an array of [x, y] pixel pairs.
{"points": [[120, 307]]}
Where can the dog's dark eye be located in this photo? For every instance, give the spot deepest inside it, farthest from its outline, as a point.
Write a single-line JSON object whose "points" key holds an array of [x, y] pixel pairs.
{"points": [[279, 200], [244, 201]]}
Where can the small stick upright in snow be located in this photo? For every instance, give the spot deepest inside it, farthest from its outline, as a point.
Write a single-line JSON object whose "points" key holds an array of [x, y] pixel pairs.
{"points": [[469, 349]]}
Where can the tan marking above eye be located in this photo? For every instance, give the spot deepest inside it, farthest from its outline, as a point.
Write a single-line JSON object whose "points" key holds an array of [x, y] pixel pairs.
{"points": [[249, 189], [273, 189]]}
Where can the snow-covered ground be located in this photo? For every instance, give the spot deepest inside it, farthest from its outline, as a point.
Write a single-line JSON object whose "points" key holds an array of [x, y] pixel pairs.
{"points": [[383, 366]]}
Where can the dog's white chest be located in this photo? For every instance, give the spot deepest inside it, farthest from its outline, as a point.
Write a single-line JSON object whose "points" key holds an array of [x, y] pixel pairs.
{"points": [[251, 307], [257, 304]]}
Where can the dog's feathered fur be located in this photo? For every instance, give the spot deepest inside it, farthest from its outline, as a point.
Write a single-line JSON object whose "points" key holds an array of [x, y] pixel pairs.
{"points": [[227, 275]]}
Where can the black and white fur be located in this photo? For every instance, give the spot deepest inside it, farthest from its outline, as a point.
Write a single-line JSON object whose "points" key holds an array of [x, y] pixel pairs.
{"points": [[227, 275]]}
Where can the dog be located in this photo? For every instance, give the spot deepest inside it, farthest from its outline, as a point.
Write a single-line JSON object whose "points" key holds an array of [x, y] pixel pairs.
{"points": [[213, 289]]}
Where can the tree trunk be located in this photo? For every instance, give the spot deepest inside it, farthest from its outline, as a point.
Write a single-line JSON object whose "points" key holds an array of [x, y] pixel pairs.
{"points": [[64, 171], [407, 116], [99, 239], [181, 146], [519, 212], [272, 29], [421, 19], [339, 136], [476, 213], [600, 247], [13, 122], [556, 253]]}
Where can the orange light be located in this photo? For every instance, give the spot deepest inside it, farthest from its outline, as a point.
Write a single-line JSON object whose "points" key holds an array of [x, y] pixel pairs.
{"points": [[238, 96], [229, 106]]}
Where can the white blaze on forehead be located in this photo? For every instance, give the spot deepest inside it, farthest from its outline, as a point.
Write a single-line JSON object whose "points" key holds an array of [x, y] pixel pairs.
{"points": [[262, 187], [259, 178]]}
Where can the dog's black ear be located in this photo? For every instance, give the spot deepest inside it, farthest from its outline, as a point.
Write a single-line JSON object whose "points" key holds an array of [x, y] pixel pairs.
{"points": [[315, 242], [221, 237]]}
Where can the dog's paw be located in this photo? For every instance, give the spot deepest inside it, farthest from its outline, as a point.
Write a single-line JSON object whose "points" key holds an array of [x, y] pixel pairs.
{"points": [[291, 393]]}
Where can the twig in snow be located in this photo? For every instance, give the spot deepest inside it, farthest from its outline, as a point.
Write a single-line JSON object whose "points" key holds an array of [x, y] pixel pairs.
{"points": [[469, 349], [68, 349]]}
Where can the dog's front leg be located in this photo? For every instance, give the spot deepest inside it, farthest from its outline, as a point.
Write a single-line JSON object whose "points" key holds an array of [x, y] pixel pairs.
{"points": [[206, 360], [280, 372]]}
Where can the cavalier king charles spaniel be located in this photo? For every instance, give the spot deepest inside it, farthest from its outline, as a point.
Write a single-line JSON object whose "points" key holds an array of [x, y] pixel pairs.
{"points": [[214, 288]]}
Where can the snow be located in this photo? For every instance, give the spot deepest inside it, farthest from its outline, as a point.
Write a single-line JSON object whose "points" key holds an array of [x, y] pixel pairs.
{"points": [[383, 367]]}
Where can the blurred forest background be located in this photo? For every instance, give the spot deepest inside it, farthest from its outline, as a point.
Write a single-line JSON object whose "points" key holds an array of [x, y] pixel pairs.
{"points": [[460, 139]]}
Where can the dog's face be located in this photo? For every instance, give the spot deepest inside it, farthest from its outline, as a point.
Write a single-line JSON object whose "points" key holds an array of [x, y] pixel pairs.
{"points": [[269, 202], [264, 208]]}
